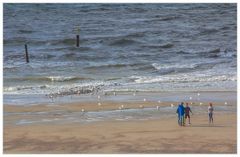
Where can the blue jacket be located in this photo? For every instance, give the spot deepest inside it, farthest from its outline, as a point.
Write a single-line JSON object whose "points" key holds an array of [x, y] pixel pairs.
{"points": [[180, 109]]}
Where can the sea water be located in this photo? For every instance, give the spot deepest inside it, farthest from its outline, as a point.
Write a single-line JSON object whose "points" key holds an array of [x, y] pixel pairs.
{"points": [[123, 48]]}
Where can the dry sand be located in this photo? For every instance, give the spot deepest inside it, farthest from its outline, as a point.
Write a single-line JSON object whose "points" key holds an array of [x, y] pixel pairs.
{"points": [[149, 136]]}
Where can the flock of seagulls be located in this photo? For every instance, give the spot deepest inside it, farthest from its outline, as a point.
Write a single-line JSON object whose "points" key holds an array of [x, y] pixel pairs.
{"points": [[51, 96]]}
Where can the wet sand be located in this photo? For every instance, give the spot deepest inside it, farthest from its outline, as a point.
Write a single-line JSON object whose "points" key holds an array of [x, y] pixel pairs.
{"points": [[132, 136]]}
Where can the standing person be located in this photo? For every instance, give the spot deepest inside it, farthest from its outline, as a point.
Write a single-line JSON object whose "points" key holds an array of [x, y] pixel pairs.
{"points": [[187, 113], [210, 113], [180, 111]]}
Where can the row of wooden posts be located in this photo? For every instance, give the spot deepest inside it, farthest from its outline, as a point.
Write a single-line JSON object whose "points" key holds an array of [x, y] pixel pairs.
{"points": [[26, 48]]}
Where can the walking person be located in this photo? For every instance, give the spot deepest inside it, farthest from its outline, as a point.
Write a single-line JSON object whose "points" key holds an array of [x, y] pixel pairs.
{"points": [[187, 113], [180, 111], [210, 113]]}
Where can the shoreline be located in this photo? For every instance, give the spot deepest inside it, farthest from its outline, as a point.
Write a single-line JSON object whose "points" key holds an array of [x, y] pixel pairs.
{"points": [[41, 99], [103, 106]]}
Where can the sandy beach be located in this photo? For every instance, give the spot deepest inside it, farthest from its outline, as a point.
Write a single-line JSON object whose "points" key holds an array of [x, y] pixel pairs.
{"points": [[161, 135], [107, 78]]}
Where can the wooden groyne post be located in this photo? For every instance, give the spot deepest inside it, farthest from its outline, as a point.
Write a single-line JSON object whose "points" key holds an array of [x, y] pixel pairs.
{"points": [[77, 40], [77, 36], [26, 53]]}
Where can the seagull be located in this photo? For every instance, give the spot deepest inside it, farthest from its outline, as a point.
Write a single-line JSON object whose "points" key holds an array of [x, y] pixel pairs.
{"points": [[172, 105], [114, 93], [141, 106], [225, 103], [99, 104], [198, 94], [191, 103], [119, 108], [134, 94], [51, 96], [99, 96], [122, 106], [159, 101], [200, 103], [83, 110], [190, 98], [158, 107], [144, 99]]}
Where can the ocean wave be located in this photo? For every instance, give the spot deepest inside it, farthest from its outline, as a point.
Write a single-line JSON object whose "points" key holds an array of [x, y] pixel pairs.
{"points": [[166, 18], [135, 35], [25, 31], [105, 66], [183, 52], [49, 78], [228, 54], [181, 79], [16, 40], [186, 68], [66, 41], [86, 87], [18, 88], [169, 45], [65, 78], [122, 42], [208, 31], [165, 46], [22, 41], [215, 53], [175, 68]]}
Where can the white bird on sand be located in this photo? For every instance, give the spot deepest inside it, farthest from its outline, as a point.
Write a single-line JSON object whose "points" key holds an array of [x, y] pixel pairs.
{"points": [[172, 105], [159, 101], [144, 99], [191, 103], [190, 98], [225, 103], [99, 96], [51, 96], [122, 106], [158, 107], [99, 104], [83, 110], [200, 103], [141, 106], [119, 108], [114, 93], [198, 94]]}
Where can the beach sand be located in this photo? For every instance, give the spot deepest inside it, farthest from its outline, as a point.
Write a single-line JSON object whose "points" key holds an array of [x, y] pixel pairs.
{"points": [[130, 136]]}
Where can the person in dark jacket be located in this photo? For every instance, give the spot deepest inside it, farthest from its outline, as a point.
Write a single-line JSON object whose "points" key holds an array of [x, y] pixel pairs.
{"points": [[187, 113]]}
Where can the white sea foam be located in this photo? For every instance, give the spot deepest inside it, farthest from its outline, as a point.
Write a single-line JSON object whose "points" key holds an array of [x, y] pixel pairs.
{"points": [[182, 78]]}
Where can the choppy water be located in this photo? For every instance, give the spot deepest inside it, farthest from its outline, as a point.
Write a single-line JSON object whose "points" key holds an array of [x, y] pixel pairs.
{"points": [[123, 47]]}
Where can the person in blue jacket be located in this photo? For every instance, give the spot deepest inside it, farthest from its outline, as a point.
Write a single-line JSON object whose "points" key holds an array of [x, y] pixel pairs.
{"points": [[180, 111]]}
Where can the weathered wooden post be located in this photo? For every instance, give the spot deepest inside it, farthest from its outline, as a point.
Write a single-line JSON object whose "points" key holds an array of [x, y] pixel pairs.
{"points": [[26, 53], [77, 37], [77, 41]]}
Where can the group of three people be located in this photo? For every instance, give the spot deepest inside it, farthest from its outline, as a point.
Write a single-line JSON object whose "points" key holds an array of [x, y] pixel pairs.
{"points": [[184, 113]]}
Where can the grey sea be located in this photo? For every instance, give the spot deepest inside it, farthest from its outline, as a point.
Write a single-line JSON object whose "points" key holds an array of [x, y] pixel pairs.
{"points": [[123, 48]]}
